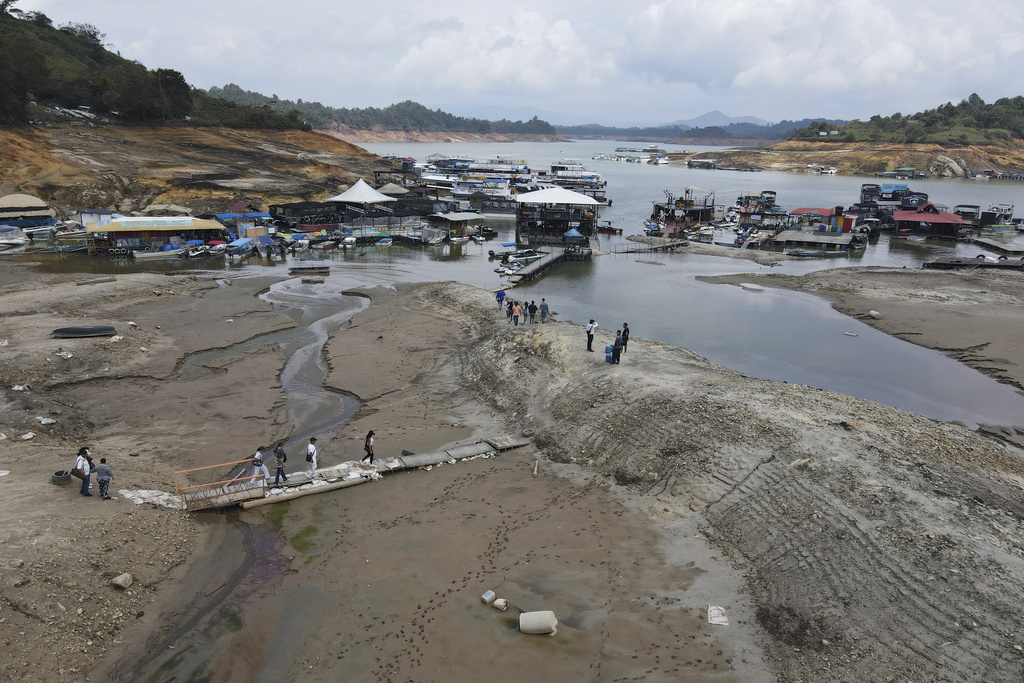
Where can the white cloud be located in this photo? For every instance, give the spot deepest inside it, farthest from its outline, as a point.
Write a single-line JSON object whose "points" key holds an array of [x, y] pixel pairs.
{"points": [[644, 62]]}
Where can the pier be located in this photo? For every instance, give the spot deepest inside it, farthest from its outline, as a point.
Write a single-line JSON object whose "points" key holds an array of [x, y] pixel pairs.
{"points": [[1001, 247], [959, 263], [647, 248]]}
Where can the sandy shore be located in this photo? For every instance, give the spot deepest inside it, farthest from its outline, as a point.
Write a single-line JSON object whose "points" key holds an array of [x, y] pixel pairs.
{"points": [[847, 541]]}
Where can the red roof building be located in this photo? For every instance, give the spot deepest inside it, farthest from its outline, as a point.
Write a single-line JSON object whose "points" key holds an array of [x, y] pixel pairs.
{"points": [[928, 220]]}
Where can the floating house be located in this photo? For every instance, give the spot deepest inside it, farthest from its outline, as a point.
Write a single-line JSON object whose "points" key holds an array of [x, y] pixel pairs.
{"points": [[693, 207], [927, 220], [122, 236], [545, 216]]}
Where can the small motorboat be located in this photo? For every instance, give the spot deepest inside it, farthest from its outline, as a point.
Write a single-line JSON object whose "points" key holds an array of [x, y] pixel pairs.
{"points": [[86, 331], [348, 241], [324, 244], [11, 236], [385, 242], [168, 251]]}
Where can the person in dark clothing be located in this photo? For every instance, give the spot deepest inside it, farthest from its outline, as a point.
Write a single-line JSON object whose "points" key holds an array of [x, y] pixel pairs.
{"points": [[368, 447], [617, 347], [625, 336], [279, 460], [591, 326]]}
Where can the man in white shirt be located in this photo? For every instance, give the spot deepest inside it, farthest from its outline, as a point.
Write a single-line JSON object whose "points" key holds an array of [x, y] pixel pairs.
{"points": [[311, 458], [591, 327], [82, 465]]}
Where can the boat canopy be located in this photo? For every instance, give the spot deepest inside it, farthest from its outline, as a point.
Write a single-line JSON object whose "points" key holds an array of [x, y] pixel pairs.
{"points": [[361, 193], [555, 195], [241, 242], [264, 239], [195, 242], [256, 214], [227, 216], [154, 224]]}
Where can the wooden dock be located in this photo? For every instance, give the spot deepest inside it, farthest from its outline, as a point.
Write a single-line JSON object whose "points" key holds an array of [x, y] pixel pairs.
{"points": [[960, 263], [1001, 247], [645, 248]]}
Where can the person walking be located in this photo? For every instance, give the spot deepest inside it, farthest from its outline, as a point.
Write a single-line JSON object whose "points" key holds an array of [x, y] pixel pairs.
{"points": [[500, 297], [258, 467], [279, 460], [625, 336], [517, 311], [368, 447], [103, 477], [591, 327], [311, 458], [532, 308], [84, 465], [508, 310], [543, 310], [617, 347]]}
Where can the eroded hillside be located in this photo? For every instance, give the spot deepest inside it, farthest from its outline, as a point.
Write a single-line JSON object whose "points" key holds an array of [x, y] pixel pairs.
{"points": [[126, 168]]}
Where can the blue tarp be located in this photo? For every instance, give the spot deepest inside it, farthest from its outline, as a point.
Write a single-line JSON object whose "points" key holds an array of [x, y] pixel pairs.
{"points": [[509, 244], [241, 242], [256, 214], [195, 242], [572, 232], [224, 216]]}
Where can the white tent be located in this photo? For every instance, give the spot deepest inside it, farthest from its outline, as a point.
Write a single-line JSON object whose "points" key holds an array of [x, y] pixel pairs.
{"points": [[361, 193], [555, 195]]}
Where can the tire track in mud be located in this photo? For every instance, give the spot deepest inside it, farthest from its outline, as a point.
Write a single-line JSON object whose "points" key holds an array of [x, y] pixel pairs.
{"points": [[830, 584]]}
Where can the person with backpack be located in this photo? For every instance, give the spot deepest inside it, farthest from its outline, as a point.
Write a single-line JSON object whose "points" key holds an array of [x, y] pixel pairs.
{"points": [[532, 308]]}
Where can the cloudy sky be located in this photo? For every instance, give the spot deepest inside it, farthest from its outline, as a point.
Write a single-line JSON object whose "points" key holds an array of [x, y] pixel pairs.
{"points": [[606, 61]]}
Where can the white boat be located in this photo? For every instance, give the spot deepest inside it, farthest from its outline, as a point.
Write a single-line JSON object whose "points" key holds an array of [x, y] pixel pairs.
{"points": [[385, 242], [12, 236], [158, 254], [461, 239], [348, 241]]}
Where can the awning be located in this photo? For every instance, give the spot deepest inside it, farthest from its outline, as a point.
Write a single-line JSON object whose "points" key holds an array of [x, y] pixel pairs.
{"points": [[556, 195], [154, 224], [361, 193]]}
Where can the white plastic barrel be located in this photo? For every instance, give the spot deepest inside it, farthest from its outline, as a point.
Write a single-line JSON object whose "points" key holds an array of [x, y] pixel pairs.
{"points": [[501, 603], [488, 597], [538, 623]]}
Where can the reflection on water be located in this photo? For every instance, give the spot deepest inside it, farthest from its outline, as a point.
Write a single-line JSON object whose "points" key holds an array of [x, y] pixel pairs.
{"points": [[781, 335]]}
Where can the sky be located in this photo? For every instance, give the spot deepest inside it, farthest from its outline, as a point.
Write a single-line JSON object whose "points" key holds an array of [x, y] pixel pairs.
{"points": [[615, 62]]}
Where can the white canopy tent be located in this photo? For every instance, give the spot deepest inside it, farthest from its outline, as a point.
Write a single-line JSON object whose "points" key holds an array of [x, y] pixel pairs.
{"points": [[556, 195], [361, 193]]}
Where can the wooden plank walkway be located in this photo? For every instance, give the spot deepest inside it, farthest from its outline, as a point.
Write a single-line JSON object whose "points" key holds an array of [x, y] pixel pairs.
{"points": [[960, 263], [536, 268], [644, 248], [1001, 247]]}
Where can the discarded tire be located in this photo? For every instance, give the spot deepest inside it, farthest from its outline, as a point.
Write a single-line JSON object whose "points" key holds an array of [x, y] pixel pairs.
{"points": [[61, 478], [528, 433]]}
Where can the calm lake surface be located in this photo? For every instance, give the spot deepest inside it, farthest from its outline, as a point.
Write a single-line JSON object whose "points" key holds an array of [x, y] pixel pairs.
{"points": [[774, 334]]}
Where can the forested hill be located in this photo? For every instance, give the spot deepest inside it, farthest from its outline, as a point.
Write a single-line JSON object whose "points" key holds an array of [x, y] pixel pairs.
{"points": [[405, 116], [68, 66], [972, 122], [739, 131]]}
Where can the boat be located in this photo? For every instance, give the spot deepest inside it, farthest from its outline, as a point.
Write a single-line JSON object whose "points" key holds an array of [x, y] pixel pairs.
{"points": [[241, 248], [11, 236], [195, 251], [348, 241], [324, 244], [310, 269], [607, 228], [460, 239], [385, 242], [817, 253], [86, 331], [217, 249], [653, 228], [174, 251]]}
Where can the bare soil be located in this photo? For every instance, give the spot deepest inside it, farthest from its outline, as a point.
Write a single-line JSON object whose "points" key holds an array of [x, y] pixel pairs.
{"points": [[847, 541]]}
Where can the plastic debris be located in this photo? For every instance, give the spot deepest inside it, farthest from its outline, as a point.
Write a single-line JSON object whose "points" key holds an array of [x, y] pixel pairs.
{"points": [[538, 623], [20, 387], [4, 473], [488, 597], [67, 355], [116, 338], [131, 323], [28, 435], [501, 603], [850, 334], [45, 420], [3, 342], [716, 615], [2, 436]]}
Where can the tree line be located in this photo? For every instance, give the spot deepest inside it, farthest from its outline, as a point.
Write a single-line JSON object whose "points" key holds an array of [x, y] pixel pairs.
{"points": [[407, 116], [969, 122], [69, 66], [738, 131]]}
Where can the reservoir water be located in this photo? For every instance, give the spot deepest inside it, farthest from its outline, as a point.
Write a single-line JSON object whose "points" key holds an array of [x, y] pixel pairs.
{"points": [[773, 334]]}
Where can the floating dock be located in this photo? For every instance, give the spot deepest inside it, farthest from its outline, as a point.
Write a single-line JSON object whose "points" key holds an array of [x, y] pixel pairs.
{"points": [[1001, 247], [960, 263]]}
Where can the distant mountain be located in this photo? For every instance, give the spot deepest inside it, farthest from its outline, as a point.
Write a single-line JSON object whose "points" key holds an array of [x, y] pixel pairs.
{"points": [[679, 130], [717, 118]]}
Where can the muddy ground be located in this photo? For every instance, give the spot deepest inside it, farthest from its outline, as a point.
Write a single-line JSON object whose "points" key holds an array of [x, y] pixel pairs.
{"points": [[847, 541]]}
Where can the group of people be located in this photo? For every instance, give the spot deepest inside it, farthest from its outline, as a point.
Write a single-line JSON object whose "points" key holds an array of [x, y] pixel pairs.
{"points": [[618, 346], [84, 468], [280, 458], [521, 310]]}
